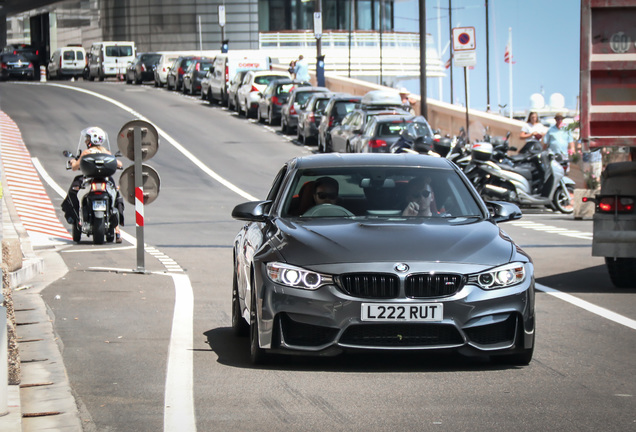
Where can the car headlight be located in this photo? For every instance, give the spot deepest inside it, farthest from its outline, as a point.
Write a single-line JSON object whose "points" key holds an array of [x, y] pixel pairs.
{"points": [[297, 277], [500, 277]]}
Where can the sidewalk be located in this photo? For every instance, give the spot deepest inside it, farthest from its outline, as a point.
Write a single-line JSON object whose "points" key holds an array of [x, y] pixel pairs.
{"points": [[43, 400]]}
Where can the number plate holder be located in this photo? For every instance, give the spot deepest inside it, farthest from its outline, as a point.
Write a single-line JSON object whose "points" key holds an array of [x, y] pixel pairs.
{"points": [[392, 312]]}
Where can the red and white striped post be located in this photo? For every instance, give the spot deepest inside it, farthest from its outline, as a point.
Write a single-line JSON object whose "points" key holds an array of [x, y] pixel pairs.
{"points": [[139, 199]]}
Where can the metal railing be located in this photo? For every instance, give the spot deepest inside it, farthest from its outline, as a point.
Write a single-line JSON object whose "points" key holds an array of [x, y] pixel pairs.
{"points": [[357, 53]]}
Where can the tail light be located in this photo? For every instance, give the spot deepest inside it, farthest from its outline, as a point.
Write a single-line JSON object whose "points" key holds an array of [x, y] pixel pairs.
{"points": [[60, 62], [292, 110], [198, 67], [254, 89], [143, 67], [377, 143], [180, 71], [275, 100], [30, 65], [15, 52], [227, 74], [37, 52], [98, 187], [312, 117], [3, 65], [332, 119], [616, 204]]}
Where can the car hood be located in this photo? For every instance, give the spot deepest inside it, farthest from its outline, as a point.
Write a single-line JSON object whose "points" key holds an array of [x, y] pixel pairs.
{"points": [[315, 242]]}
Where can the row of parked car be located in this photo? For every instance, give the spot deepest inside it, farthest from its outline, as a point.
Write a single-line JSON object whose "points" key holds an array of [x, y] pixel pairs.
{"points": [[332, 121]]}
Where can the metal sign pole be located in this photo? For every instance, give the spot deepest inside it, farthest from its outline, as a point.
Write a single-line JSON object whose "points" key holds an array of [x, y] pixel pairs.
{"points": [[467, 102], [139, 199]]}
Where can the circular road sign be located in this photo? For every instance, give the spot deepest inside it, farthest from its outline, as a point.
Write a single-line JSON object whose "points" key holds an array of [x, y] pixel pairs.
{"points": [[151, 184], [149, 139], [463, 38]]}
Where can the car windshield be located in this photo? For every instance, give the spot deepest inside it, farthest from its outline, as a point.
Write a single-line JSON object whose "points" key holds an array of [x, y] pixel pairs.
{"points": [[13, 58], [380, 193], [266, 79], [390, 129], [68, 55], [119, 51], [150, 58], [341, 108], [285, 88], [321, 104], [303, 97]]}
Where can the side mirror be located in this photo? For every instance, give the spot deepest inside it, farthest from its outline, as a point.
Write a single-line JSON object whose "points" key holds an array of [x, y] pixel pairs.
{"points": [[67, 153], [253, 211], [501, 211]]}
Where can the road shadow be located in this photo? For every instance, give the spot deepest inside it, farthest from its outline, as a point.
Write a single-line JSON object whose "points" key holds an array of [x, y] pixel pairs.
{"points": [[588, 280], [235, 351]]}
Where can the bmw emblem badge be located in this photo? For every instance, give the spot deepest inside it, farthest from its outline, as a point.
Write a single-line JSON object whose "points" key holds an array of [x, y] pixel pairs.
{"points": [[401, 267]]}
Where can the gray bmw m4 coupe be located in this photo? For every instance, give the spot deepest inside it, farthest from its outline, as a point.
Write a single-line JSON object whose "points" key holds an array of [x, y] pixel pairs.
{"points": [[380, 252]]}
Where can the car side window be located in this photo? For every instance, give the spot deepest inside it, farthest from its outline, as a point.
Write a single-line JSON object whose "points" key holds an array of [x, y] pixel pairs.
{"points": [[278, 181]]}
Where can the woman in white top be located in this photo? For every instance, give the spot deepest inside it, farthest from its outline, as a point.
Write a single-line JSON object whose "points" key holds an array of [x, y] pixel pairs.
{"points": [[533, 130]]}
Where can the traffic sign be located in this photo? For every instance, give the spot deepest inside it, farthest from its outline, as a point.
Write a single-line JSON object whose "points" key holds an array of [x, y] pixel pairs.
{"points": [[463, 38], [149, 140], [222, 16], [465, 58], [151, 184], [317, 25]]}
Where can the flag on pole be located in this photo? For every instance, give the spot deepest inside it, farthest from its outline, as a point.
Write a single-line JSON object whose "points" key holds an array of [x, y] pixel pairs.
{"points": [[448, 62], [508, 54]]}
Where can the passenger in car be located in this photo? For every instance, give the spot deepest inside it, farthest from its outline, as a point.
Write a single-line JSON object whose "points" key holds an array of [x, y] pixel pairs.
{"points": [[420, 198]]}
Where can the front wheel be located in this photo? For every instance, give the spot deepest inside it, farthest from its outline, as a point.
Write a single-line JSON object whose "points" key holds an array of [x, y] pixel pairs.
{"points": [[257, 354], [99, 230], [77, 232], [562, 200], [239, 326]]}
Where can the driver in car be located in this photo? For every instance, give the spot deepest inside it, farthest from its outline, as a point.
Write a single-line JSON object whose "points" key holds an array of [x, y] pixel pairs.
{"points": [[326, 191]]}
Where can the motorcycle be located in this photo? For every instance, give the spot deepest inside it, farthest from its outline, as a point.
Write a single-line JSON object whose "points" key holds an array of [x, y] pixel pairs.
{"points": [[537, 179], [97, 196], [418, 138]]}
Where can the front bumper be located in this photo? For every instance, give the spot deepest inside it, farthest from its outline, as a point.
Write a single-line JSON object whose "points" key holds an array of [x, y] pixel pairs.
{"points": [[328, 321]]}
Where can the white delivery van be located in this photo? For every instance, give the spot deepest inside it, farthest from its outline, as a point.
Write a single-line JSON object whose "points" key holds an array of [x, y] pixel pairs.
{"points": [[67, 62], [110, 59], [227, 65]]}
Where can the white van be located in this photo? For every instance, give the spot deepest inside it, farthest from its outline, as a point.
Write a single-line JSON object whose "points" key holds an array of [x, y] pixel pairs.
{"points": [[110, 59], [67, 62], [227, 65]]}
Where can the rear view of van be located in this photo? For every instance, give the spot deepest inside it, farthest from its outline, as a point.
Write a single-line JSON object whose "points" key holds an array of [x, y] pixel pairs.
{"points": [[110, 59], [67, 62], [227, 65]]}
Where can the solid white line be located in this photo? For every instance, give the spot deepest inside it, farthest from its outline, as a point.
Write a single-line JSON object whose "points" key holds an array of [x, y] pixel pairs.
{"points": [[600, 311], [178, 414]]}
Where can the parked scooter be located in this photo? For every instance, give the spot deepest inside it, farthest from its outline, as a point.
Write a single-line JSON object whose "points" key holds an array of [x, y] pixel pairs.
{"points": [[98, 215], [538, 180]]}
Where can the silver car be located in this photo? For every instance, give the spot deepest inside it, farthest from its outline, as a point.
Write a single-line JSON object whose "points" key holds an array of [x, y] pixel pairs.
{"points": [[380, 252]]}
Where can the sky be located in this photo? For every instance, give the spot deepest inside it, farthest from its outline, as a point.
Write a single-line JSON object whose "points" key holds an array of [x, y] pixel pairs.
{"points": [[545, 46]]}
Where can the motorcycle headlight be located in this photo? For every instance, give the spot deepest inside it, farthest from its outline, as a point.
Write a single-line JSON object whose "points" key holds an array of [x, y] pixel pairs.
{"points": [[297, 277], [500, 277]]}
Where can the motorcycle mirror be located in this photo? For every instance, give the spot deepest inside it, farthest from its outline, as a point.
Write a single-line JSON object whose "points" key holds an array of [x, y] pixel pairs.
{"points": [[67, 153], [118, 153]]}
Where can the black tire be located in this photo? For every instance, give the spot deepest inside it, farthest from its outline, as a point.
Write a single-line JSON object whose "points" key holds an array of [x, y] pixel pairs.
{"points": [[100, 75], [258, 115], [622, 271], [328, 144], [299, 136], [168, 86], [137, 79], [184, 89], [77, 232], [348, 147], [257, 354], [99, 230], [240, 327], [562, 200]]}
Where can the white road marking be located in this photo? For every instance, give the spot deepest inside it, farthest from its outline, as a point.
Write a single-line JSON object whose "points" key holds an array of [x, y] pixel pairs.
{"points": [[590, 307], [552, 229]]}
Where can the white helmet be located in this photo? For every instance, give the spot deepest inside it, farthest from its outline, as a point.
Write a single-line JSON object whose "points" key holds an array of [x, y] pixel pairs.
{"points": [[95, 136]]}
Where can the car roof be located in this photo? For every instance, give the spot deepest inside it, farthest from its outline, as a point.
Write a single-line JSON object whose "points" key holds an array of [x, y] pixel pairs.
{"points": [[394, 118], [269, 72], [311, 89], [381, 98], [369, 159]]}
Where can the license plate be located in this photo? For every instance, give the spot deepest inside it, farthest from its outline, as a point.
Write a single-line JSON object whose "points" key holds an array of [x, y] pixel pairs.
{"points": [[416, 312], [99, 205]]}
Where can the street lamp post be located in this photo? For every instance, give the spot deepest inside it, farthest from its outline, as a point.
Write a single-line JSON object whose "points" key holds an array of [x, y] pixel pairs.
{"points": [[423, 106], [320, 59]]}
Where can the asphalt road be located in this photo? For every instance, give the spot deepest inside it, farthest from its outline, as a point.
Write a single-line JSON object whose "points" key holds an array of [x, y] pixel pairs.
{"points": [[116, 327]]}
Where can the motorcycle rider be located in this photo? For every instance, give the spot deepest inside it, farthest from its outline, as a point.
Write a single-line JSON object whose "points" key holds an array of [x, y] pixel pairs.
{"points": [[95, 138]]}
